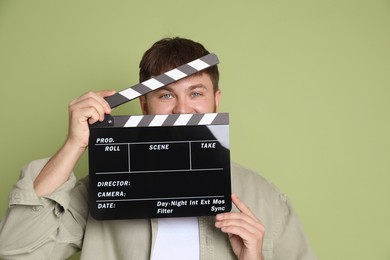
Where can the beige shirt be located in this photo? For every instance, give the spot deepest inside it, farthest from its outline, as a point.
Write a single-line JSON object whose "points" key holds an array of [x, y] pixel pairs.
{"points": [[56, 226]]}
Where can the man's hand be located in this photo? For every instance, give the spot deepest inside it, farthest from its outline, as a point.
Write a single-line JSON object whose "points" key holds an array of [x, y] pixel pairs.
{"points": [[87, 109], [245, 231]]}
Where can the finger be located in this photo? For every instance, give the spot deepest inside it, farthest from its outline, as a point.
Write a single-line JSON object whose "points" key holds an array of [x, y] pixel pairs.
{"points": [[83, 115], [239, 220], [106, 93], [85, 109], [90, 101], [93, 116], [240, 225], [245, 234], [237, 216], [103, 94], [251, 240], [98, 96]]}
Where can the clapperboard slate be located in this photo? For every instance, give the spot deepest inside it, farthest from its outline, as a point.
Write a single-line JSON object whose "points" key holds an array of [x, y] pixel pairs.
{"points": [[156, 166]]}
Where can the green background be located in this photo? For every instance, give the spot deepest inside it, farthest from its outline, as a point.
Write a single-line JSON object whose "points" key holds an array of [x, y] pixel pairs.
{"points": [[307, 85]]}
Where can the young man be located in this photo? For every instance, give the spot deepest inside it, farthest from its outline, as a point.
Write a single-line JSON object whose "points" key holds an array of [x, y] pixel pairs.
{"points": [[48, 216]]}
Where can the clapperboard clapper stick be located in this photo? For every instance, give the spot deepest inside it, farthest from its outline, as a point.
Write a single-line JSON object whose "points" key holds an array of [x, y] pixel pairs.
{"points": [[162, 80], [148, 166]]}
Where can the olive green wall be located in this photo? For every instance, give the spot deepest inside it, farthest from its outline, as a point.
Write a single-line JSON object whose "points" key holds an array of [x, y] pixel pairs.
{"points": [[307, 84]]}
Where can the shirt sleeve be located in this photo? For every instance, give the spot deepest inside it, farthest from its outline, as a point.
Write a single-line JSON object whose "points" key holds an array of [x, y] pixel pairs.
{"points": [[290, 241], [284, 233], [49, 227]]}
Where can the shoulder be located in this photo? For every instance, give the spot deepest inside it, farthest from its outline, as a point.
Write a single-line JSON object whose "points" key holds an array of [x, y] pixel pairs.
{"points": [[261, 196], [247, 181], [34, 167]]}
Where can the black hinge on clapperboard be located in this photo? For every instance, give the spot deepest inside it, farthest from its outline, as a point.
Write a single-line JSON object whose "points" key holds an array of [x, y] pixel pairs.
{"points": [[156, 166]]}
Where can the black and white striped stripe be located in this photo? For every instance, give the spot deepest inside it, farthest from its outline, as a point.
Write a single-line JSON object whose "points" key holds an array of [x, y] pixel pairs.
{"points": [[166, 120], [162, 80]]}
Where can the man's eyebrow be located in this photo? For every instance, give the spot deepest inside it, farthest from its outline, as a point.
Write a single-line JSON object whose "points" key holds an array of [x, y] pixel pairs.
{"points": [[197, 86], [190, 88], [167, 88]]}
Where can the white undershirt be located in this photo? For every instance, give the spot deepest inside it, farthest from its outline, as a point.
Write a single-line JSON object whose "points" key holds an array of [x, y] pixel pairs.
{"points": [[177, 238]]}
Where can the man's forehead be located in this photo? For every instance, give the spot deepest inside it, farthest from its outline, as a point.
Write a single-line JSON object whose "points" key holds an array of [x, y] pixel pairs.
{"points": [[198, 80], [201, 77]]}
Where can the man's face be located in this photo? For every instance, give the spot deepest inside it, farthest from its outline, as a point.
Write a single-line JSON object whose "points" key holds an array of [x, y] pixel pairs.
{"points": [[190, 95]]}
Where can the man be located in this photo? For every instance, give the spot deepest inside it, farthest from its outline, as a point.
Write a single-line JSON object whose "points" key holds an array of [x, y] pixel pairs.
{"points": [[48, 216]]}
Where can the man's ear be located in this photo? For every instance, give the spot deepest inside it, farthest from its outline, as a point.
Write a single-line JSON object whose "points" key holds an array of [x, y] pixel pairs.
{"points": [[217, 98], [144, 106]]}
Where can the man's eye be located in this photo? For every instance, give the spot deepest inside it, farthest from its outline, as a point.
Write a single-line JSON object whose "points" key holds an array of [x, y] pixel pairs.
{"points": [[166, 96], [196, 94]]}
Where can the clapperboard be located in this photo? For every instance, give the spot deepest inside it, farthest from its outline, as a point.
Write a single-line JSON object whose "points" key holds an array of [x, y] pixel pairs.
{"points": [[156, 166]]}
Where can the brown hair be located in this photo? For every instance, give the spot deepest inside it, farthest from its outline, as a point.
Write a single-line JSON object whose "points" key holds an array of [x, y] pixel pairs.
{"points": [[169, 53]]}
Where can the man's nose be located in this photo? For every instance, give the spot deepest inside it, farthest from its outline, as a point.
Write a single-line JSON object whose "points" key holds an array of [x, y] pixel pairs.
{"points": [[182, 107]]}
